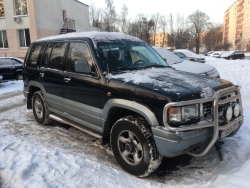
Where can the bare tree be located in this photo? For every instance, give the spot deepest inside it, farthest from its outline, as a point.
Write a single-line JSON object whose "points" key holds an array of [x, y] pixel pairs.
{"points": [[141, 27], [96, 16], [155, 19], [213, 38], [163, 22], [178, 33], [199, 22], [124, 19], [110, 18]]}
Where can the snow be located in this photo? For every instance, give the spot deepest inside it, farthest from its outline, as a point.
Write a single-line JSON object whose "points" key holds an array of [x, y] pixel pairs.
{"points": [[188, 53], [34, 155], [183, 65], [95, 35], [163, 78], [169, 56], [11, 86]]}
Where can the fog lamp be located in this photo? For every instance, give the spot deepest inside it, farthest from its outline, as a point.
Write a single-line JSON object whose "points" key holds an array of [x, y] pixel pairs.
{"points": [[236, 109], [229, 113]]}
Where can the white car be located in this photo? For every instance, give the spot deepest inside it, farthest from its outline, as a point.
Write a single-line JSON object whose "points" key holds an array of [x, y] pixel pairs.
{"points": [[187, 66], [188, 55], [217, 54]]}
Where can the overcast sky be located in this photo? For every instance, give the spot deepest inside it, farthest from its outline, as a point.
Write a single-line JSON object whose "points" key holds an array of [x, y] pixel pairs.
{"points": [[213, 8]]}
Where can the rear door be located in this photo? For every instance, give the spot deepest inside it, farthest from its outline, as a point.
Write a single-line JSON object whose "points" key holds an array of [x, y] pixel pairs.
{"points": [[81, 91], [51, 74], [33, 62]]}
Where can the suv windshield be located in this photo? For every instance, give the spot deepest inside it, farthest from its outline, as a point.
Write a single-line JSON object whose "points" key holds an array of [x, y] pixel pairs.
{"points": [[125, 54]]}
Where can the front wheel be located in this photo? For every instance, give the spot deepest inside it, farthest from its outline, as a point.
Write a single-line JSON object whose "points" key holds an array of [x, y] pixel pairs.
{"points": [[40, 108], [133, 146]]}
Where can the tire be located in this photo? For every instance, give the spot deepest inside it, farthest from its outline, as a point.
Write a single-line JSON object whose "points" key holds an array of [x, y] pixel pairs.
{"points": [[19, 76], [40, 108], [132, 137]]}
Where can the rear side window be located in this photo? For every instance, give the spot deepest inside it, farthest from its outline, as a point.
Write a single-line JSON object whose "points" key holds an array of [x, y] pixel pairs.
{"points": [[77, 51], [34, 54], [54, 55], [5, 62]]}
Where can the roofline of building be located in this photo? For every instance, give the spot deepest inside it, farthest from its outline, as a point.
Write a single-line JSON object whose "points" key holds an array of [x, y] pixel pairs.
{"points": [[81, 3], [231, 6]]}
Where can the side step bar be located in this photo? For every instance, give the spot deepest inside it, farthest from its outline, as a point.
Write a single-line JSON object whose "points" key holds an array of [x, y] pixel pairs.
{"points": [[62, 120]]}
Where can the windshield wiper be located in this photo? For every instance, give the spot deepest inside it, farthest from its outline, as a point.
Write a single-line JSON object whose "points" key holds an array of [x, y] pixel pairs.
{"points": [[126, 68], [156, 66]]}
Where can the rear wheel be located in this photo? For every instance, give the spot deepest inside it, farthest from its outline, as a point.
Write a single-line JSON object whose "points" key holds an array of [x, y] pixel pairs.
{"points": [[133, 146], [19, 76], [40, 108]]}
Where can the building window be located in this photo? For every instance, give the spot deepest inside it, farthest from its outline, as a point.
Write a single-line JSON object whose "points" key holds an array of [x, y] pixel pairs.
{"points": [[21, 7], [24, 37], [3, 39], [1, 9]]}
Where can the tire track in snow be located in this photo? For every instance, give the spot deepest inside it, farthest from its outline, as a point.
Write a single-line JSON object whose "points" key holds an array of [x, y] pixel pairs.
{"points": [[10, 107], [10, 95]]}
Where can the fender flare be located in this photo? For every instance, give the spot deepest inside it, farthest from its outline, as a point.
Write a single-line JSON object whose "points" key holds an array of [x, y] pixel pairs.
{"points": [[130, 105]]}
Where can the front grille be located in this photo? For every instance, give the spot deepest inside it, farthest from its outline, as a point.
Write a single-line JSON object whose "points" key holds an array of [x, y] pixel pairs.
{"points": [[207, 109], [208, 106]]}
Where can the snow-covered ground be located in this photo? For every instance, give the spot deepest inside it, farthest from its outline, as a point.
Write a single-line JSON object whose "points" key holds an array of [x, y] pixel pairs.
{"points": [[33, 155]]}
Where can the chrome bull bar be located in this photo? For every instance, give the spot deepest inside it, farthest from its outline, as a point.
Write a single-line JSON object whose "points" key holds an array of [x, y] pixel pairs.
{"points": [[215, 118]]}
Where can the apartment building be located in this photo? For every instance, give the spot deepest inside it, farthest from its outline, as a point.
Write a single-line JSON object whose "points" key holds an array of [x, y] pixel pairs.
{"points": [[25, 21], [237, 25], [159, 40]]}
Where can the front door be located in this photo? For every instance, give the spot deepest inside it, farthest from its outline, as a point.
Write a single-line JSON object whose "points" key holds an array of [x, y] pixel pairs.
{"points": [[81, 91]]}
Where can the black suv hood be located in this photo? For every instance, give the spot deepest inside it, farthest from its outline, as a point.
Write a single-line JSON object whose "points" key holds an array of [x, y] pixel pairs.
{"points": [[171, 83]]}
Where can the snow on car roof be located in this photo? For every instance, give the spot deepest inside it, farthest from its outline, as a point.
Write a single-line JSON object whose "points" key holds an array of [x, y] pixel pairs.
{"points": [[95, 36], [230, 53], [188, 53], [12, 58], [169, 56]]}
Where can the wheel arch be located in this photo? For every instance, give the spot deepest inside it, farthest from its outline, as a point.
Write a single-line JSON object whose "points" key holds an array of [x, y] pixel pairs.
{"points": [[118, 108], [33, 87]]}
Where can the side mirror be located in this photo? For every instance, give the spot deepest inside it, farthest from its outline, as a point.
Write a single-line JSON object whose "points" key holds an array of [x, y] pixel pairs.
{"points": [[82, 66], [164, 59]]}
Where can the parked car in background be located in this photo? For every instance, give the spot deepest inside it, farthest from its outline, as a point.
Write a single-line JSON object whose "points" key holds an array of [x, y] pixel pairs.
{"points": [[209, 53], [205, 53], [188, 55], [11, 68], [185, 65], [217, 54], [237, 54]]}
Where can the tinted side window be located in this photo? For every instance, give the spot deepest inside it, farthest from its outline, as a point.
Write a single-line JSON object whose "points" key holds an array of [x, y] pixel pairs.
{"points": [[57, 56], [34, 54], [15, 62], [5, 62], [77, 51], [46, 55]]}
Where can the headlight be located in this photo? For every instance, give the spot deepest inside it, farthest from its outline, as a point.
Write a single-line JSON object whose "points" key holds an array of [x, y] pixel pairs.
{"points": [[184, 113]]}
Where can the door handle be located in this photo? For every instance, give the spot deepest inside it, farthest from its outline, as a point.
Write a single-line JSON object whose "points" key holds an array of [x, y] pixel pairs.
{"points": [[41, 74], [67, 79]]}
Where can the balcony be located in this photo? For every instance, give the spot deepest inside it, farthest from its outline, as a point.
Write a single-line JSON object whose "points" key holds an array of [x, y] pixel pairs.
{"points": [[239, 26], [240, 8], [240, 2], [68, 26]]}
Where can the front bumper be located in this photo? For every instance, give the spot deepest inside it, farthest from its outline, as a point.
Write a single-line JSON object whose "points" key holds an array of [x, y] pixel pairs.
{"points": [[173, 141]]}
